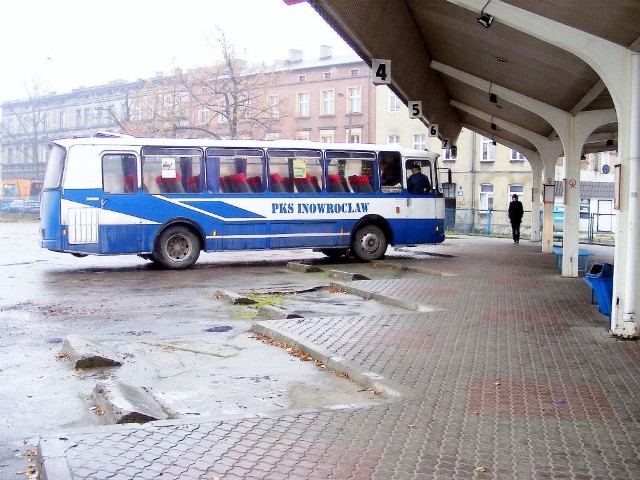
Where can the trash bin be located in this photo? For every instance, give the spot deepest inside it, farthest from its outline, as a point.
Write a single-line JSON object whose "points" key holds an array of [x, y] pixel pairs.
{"points": [[600, 278]]}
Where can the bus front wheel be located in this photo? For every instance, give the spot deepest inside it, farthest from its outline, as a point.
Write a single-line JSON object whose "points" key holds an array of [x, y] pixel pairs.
{"points": [[177, 248], [369, 243]]}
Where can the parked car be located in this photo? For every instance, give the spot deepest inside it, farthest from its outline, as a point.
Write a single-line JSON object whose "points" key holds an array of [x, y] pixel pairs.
{"points": [[22, 206], [32, 207]]}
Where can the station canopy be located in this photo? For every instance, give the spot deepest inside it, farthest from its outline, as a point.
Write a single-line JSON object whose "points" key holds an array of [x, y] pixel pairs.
{"points": [[435, 45]]}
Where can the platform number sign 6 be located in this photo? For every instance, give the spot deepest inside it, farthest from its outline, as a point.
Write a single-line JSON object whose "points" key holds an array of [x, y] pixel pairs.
{"points": [[433, 130], [381, 71], [415, 109]]}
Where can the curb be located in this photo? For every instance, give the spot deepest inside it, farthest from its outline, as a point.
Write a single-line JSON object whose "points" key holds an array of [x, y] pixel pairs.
{"points": [[367, 379]]}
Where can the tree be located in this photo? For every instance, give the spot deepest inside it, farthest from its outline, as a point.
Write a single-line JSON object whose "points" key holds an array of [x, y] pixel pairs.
{"points": [[23, 124], [230, 99], [159, 108]]}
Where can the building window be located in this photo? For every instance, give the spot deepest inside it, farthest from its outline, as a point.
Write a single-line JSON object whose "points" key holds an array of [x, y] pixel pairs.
{"points": [[61, 120], [224, 108], [354, 136], [516, 189], [26, 154], [447, 156], [204, 115], [78, 117], [327, 75], [328, 102], [302, 135], [354, 72], [327, 136], [85, 119], [585, 208], [355, 105], [516, 156], [273, 106], [394, 102], [419, 141], [10, 155], [303, 104], [45, 121], [393, 139], [486, 197], [302, 78], [488, 150]]}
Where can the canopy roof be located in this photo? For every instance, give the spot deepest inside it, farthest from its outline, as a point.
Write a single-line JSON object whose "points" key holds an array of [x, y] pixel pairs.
{"points": [[441, 55]]}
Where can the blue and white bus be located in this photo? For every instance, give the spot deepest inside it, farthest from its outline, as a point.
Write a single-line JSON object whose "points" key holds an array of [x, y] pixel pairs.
{"points": [[167, 200]]}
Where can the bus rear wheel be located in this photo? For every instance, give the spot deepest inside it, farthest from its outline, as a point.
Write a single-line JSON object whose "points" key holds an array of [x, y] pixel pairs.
{"points": [[177, 248], [369, 243]]}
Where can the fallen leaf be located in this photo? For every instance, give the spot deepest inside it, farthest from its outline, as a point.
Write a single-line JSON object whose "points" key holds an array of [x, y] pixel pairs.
{"points": [[480, 469], [496, 383], [62, 356]]}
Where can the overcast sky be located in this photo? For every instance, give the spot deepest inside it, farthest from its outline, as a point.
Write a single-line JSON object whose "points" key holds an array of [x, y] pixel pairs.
{"points": [[71, 43]]}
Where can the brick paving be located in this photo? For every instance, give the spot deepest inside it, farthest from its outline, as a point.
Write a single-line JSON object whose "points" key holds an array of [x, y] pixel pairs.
{"points": [[511, 375]]}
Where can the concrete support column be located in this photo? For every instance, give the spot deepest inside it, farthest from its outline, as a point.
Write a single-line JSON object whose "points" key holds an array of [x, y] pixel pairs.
{"points": [[536, 187], [571, 241], [626, 296]]}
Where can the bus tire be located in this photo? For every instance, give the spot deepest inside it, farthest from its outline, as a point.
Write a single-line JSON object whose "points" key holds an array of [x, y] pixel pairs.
{"points": [[177, 248], [369, 243]]}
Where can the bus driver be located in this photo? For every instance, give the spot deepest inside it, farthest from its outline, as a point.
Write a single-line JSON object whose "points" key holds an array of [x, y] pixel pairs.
{"points": [[418, 183]]}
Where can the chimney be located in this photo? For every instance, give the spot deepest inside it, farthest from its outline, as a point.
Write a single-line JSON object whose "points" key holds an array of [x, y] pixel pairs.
{"points": [[325, 52], [295, 55]]}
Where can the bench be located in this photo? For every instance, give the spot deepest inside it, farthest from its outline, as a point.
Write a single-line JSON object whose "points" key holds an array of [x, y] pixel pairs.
{"points": [[583, 257]]}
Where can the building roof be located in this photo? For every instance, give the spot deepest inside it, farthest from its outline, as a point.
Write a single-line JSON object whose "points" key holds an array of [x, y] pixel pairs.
{"points": [[589, 189]]}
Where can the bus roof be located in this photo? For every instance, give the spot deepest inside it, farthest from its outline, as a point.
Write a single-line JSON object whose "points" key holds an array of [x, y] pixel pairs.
{"points": [[117, 140]]}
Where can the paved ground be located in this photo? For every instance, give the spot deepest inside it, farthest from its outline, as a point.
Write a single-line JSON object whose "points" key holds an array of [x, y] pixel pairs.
{"points": [[500, 368]]}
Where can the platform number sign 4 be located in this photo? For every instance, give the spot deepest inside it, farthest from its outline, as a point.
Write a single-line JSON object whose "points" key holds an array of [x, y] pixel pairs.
{"points": [[433, 130], [415, 109], [381, 71]]}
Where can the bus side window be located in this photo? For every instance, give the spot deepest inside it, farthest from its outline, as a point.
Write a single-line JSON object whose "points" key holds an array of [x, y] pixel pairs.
{"points": [[119, 173], [390, 172]]}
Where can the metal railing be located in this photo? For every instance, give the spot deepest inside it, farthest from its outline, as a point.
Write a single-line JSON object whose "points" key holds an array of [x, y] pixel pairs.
{"points": [[496, 223]]}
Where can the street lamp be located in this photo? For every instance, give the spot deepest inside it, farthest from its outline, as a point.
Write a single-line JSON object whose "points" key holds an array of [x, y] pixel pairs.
{"points": [[348, 102]]}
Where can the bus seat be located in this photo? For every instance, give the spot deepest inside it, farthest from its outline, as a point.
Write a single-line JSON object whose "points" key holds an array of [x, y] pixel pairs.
{"points": [[304, 185], [239, 183], [315, 183], [335, 184], [276, 184], [354, 181], [255, 183], [193, 184], [130, 183], [170, 185], [365, 185], [224, 184]]}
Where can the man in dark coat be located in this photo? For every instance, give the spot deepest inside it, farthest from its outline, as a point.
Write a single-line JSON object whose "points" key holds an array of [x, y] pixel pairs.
{"points": [[418, 183], [515, 217]]}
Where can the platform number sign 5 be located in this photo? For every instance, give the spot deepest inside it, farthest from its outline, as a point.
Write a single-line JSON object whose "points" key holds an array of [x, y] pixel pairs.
{"points": [[433, 130], [415, 109], [381, 71]]}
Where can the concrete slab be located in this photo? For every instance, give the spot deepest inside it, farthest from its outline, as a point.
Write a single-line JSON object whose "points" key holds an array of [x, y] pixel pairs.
{"points": [[235, 298], [85, 353], [346, 276], [303, 267], [122, 403], [272, 313]]}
